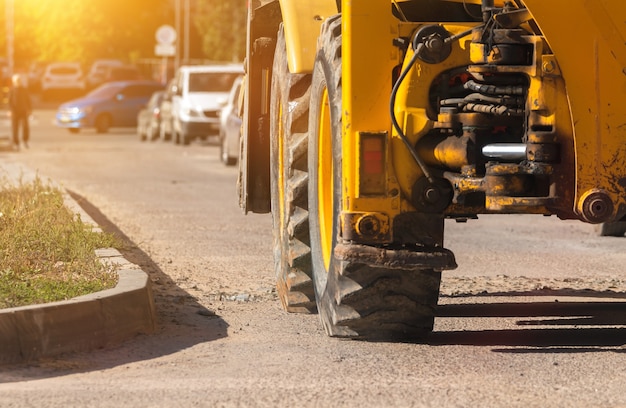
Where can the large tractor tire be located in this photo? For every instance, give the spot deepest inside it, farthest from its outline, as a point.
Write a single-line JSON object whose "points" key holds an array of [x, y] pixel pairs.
{"points": [[289, 111], [362, 292]]}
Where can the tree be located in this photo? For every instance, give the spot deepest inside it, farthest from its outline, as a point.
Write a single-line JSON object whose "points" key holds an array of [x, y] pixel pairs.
{"points": [[222, 26], [79, 30]]}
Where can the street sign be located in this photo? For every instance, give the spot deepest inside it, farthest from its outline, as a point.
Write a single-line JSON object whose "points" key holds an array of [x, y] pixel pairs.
{"points": [[165, 34], [165, 50], [166, 37]]}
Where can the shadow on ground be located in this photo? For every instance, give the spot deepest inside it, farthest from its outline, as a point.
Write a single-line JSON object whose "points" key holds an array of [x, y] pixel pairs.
{"points": [[580, 322], [169, 298], [580, 325], [182, 322]]}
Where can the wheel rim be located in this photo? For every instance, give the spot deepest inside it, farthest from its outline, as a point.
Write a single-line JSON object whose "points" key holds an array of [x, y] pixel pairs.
{"points": [[325, 184], [281, 166]]}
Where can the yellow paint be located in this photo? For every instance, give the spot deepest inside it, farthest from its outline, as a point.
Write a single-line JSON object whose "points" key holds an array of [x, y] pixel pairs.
{"points": [[411, 107], [592, 59], [579, 92], [325, 182], [302, 21]]}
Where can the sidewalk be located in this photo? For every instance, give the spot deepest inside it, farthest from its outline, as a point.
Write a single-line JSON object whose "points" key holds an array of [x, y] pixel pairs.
{"points": [[84, 323]]}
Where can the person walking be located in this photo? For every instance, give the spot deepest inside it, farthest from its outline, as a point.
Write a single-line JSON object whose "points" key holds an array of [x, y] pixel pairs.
{"points": [[20, 105]]}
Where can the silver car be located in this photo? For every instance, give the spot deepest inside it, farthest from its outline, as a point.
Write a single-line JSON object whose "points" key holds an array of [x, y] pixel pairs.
{"points": [[165, 127], [230, 126], [149, 118]]}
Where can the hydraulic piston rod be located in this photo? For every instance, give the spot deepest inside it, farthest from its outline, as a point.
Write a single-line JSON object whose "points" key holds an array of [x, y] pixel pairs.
{"points": [[505, 151]]}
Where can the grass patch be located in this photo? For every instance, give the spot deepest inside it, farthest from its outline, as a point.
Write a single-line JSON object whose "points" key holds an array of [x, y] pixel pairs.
{"points": [[47, 253]]}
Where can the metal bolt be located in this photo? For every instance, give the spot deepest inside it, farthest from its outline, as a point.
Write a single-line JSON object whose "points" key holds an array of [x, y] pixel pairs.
{"points": [[596, 206], [548, 66], [368, 226], [434, 43], [432, 195]]}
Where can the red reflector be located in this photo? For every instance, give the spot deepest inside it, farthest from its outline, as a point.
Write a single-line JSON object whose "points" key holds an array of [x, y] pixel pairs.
{"points": [[373, 167], [373, 162], [372, 156]]}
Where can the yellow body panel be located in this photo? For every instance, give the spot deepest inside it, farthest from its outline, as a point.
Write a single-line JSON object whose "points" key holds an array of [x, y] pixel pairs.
{"points": [[414, 92], [576, 86], [591, 55], [368, 58], [302, 21]]}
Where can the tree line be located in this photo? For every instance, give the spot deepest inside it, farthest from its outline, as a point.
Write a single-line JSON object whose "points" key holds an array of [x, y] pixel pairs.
{"points": [[80, 30]]}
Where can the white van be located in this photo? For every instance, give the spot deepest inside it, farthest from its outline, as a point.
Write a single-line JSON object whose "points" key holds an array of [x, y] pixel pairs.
{"points": [[199, 94]]}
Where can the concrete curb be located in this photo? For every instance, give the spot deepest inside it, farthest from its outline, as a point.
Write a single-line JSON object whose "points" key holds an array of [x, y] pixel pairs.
{"points": [[84, 323]]}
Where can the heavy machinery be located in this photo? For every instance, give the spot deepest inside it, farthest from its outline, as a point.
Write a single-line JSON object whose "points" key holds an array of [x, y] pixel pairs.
{"points": [[367, 123]]}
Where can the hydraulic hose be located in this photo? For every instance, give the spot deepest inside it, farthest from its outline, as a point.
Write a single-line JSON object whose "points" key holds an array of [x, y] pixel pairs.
{"points": [[493, 89], [394, 121], [392, 102]]}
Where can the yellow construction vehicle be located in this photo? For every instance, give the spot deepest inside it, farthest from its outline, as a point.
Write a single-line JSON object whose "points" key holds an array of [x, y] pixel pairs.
{"points": [[367, 123]]}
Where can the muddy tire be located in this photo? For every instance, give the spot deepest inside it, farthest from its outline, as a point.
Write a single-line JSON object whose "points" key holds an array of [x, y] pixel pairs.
{"points": [[289, 183], [362, 291]]}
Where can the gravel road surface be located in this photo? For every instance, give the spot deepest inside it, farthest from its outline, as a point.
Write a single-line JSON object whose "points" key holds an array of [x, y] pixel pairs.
{"points": [[534, 316]]}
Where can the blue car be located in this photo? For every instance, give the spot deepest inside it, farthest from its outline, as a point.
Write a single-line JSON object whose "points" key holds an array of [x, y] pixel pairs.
{"points": [[114, 104]]}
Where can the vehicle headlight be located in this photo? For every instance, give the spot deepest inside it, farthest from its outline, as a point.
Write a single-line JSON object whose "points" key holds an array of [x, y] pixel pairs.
{"points": [[80, 110]]}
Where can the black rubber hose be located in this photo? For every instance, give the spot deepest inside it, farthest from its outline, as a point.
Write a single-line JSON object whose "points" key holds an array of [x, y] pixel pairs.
{"points": [[394, 121]]}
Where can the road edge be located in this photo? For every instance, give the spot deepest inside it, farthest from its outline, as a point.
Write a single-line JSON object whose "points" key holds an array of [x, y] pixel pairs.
{"points": [[83, 323]]}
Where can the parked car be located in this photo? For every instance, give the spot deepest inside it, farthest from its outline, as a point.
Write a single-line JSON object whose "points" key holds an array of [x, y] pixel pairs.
{"points": [[149, 118], [165, 126], [98, 70], [196, 99], [62, 78], [35, 73], [114, 104], [122, 73], [230, 126]]}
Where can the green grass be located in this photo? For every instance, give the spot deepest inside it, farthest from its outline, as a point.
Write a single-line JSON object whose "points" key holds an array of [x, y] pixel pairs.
{"points": [[47, 253]]}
